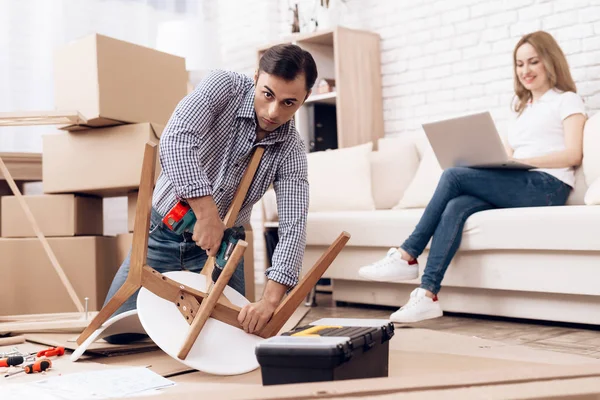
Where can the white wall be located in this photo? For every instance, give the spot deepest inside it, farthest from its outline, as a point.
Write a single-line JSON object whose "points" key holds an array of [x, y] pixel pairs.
{"points": [[448, 57]]}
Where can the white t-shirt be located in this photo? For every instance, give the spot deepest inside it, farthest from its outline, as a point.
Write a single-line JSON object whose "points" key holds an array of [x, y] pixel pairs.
{"points": [[539, 129]]}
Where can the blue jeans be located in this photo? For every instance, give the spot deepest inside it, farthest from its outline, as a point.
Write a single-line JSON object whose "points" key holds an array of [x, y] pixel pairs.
{"points": [[462, 192], [168, 251]]}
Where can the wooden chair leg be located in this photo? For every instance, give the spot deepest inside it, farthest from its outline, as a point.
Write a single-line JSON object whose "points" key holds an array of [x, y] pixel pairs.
{"points": [[124, 293], [139, 248], [238, 201], [295, 297], [208, 304]]}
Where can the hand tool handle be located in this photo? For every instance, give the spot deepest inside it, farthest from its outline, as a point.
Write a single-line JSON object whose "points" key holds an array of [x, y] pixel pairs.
{"points": [[38, 366], [11, 361], [54, 351]]}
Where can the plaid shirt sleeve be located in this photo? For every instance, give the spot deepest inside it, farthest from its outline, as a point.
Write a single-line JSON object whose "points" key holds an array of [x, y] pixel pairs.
{"points": [[292, 192], [181, 140]]}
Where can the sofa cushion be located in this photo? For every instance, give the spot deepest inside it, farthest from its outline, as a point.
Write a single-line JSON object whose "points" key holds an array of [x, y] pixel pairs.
{"points": [[592, 196], [421, 188], [392, 169], [541, 228], [341, 179], [591, 144], [577, 195]]}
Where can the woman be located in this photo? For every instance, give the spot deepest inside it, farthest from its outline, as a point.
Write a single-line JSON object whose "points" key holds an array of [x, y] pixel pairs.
{"points": [[547, 134]]}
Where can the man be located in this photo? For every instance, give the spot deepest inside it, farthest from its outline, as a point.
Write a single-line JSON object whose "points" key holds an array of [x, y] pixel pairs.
{"points": [[204, 151]]}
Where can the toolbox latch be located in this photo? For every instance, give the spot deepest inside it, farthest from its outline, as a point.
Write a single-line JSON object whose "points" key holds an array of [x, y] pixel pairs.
{"points": [[369, 341], [387, 333], [346, 351]]}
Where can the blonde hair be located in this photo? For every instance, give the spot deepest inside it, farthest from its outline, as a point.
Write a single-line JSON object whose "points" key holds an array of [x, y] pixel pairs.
{"points": [[554, 60]]}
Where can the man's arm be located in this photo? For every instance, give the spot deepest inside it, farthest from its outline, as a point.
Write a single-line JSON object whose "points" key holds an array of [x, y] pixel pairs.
{"points": [[291, 189], [180, 142], [180, 154]]}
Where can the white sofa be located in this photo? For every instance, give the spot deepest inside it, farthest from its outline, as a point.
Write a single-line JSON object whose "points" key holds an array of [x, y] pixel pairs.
{"points": [[537, 263]]}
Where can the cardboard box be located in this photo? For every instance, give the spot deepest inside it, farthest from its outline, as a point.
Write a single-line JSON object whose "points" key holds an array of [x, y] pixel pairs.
{"points": [[110, 81], [124, 242], [131, 207], [101, 161], [56, 215], [33, 286]]}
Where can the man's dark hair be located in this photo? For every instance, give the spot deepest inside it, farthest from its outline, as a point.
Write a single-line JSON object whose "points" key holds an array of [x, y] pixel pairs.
{"points": [[287, 61]]}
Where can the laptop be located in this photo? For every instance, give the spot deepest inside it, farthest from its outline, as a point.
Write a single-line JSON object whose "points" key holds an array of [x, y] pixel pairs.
{"points": [[469, 141]]}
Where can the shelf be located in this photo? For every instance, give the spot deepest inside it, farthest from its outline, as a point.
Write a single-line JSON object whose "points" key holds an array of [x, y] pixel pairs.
{"points": [[327, 98], [41, 118], [324, 37]]}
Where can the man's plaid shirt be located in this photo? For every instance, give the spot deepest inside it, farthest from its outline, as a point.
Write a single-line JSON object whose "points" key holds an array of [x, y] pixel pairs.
{"points": [[205, 149]]}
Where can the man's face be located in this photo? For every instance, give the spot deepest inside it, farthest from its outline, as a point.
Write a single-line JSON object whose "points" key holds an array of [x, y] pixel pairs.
{"points": [[276, 100]]}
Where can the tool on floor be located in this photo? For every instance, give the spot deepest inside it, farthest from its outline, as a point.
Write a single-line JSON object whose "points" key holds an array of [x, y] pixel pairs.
{"points": [[14, 352], [51, 352], [327, 350], [11, 361], [194, 305], [40, 365]]}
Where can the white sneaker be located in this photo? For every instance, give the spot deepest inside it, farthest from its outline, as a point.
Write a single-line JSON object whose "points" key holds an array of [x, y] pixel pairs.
{"points": [[419, 308], [392, 268]]}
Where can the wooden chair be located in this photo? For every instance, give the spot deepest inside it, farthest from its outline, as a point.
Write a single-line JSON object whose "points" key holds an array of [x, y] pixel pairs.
{"points": [[197, 306]]}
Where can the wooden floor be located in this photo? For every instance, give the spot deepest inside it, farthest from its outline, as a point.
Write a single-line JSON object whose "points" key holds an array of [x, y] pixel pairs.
{"points": [[573, 339]]}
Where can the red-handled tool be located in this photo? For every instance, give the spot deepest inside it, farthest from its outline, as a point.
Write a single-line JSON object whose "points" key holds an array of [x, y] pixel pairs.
{"points": [[53, 351]]}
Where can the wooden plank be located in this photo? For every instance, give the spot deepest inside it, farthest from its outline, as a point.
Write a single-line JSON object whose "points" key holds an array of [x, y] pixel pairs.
{"points": [[298, 294], [52, 117], [46, 317], [43, 326], [38, 232]]}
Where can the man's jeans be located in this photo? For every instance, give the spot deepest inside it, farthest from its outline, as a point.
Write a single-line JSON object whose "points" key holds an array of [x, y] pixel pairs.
{"points": [[168, 251], [462, 192]]}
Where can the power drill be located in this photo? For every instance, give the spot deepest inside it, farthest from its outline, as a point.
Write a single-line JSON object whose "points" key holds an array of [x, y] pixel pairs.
{"points": [[181, 218]]}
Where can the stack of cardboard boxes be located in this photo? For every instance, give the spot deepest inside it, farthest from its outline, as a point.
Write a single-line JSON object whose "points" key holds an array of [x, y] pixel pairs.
{"points": [[126, 93]]}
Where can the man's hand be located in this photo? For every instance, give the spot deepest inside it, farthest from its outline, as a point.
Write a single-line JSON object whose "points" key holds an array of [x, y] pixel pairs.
{"points": [[254, 316], [208, 230]]}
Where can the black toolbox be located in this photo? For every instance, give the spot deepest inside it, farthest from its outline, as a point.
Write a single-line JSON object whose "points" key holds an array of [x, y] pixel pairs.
{"points": [[327, 350]]}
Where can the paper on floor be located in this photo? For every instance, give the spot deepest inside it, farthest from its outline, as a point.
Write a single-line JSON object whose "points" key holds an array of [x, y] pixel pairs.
{"points": [[114, 382]]}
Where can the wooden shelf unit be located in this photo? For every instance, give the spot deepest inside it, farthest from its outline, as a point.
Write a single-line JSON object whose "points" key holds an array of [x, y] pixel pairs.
{"points": [[353, 59]]}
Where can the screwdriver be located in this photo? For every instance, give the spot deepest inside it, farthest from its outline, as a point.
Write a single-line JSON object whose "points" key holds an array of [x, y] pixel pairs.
{"points": [[38, 366], [11, 361]]}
